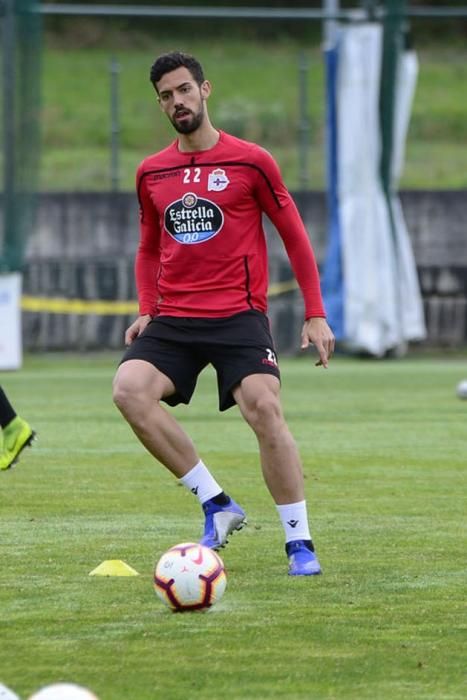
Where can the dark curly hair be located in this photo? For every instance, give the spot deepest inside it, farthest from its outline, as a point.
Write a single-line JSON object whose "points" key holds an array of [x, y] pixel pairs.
{"points": [[173, 60]]}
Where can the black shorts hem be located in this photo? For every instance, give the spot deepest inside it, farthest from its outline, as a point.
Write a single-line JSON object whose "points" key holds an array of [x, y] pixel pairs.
{"points": [[173, 399], [226, 400]]}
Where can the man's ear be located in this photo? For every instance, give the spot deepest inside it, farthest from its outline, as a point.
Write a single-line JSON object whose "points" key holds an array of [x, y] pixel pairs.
{"points": [[205, 89]]}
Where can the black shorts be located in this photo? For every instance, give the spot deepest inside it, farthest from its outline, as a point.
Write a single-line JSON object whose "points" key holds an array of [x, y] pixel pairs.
{"points": [[236, 347]]}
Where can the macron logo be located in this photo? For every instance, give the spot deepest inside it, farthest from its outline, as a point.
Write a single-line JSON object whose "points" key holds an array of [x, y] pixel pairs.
{"points": [[293, 523]]}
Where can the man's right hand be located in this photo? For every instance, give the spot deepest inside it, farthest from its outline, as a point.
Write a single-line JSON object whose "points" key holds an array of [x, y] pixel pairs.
{"points": [[136, 328]]}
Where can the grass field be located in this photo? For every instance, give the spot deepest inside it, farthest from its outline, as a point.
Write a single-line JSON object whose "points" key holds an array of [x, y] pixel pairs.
{"points": [[384, 445], [255, 97]]}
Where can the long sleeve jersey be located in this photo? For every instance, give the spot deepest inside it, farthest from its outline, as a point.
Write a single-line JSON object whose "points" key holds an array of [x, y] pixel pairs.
{"points": [[202, 249]]}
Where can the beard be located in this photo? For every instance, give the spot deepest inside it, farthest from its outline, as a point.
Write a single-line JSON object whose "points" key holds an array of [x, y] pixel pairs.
{"points": [[188, 126]]}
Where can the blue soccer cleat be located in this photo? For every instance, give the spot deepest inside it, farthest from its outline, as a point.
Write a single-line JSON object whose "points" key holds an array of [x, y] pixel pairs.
{"points": [[302, 559], [220, 522]]}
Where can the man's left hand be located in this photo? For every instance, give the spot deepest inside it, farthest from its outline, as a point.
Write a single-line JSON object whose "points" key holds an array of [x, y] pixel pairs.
{"points": [[317, 332]]}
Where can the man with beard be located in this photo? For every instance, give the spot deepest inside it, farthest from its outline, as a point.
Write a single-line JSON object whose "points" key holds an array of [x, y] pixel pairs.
{"points": [[202, 278]]}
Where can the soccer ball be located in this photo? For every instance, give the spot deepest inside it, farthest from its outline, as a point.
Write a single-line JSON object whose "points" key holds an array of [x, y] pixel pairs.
{"points": [[63, 691], [7, 694], [189, 577], [461, 390]]}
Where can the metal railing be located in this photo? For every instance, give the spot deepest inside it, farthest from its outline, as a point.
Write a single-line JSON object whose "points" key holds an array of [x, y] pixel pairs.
{"points": [[299, 14]]}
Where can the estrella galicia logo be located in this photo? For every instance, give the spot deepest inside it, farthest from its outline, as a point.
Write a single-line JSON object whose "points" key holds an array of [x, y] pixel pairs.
{"points": [[193, 220]]}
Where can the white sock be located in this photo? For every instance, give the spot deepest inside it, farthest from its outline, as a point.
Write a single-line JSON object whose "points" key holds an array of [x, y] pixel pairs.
{"points": [[294, 521], [200, 481]]}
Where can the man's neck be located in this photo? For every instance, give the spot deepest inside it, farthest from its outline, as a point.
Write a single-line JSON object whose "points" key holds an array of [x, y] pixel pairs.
{"points": [[202, 139]]}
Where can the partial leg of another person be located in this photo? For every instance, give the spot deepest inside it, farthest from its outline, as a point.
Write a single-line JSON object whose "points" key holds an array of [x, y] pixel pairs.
{"points": [[258, 397], [139, 388], [16, 433]]}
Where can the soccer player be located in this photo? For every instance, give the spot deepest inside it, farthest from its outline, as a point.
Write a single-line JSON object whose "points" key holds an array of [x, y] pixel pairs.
{"points": [[202, 277], [15, 433]]}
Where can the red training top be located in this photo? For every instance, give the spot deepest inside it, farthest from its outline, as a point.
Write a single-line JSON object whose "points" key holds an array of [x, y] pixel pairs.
{"points": [[202, 250]]}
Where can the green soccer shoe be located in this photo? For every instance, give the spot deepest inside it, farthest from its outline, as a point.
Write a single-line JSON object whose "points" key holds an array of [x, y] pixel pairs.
{"points": [[16, 436]]}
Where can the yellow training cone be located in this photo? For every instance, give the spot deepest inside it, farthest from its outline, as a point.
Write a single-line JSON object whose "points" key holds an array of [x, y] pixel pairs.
{"points": [[113, 567]]}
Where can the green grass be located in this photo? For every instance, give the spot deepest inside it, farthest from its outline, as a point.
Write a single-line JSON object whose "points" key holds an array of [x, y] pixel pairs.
{"points": [[384, 445], [255, 96]]}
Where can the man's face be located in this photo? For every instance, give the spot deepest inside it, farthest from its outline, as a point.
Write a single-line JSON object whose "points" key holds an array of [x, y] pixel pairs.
{"points": [[182, 99]]}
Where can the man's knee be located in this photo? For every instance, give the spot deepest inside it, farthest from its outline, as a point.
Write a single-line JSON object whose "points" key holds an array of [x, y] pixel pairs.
{"points": [[138, 386], [130, 386], [265, 413], [124, 392]]}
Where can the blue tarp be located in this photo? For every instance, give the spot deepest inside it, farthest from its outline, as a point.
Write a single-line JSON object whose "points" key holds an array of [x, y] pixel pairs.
{"points": [[332, 276]]}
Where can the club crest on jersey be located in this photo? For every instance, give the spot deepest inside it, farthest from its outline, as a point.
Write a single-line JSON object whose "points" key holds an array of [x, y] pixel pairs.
{"points": [[192, 220], [217, 180]]}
